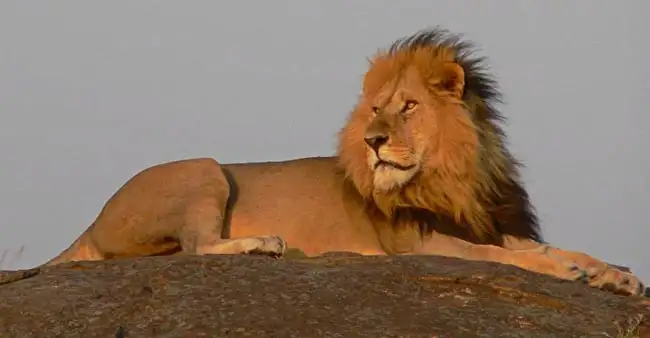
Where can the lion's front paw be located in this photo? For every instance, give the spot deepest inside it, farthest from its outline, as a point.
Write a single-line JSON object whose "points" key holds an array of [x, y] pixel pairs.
{"points": [[615, 280], [600, 274], [273, 246]]}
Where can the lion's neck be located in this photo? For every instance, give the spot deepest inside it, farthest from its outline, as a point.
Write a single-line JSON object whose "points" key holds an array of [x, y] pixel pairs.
{"points": [[444, 192]]}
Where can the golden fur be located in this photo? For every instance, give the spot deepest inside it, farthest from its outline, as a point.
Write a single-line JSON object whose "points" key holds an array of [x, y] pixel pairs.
{"points": [[421, 169]]}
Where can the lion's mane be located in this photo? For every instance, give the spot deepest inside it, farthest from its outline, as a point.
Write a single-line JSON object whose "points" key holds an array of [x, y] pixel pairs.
{"points": [[472, 182]]}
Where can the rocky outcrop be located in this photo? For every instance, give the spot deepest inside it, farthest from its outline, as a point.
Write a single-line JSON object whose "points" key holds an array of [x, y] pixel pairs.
{"points": [[336, 295]]}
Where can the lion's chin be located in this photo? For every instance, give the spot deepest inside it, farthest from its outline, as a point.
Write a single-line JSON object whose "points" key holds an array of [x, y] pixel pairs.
{"points": [[387, 177]]}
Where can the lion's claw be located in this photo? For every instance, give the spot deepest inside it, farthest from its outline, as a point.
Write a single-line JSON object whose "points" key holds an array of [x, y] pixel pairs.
{"points": [[582, 275], [575, 273]]}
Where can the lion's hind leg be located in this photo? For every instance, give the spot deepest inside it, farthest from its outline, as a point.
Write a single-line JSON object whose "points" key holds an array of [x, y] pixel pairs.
{"points": [[201, 234]]}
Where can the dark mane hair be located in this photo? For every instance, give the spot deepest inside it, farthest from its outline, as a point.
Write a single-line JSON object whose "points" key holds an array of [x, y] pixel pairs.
{"points": [[481, 95]]}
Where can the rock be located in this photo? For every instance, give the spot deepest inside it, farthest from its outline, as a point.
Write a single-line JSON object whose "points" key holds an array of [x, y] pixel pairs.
{"points": [[335, 295]]}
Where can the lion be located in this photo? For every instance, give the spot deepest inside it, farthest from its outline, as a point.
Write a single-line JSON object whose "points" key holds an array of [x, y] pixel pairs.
{"points": [[421, 168]]}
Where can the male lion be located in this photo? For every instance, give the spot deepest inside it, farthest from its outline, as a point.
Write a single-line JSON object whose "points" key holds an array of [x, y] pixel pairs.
{"points": [[422, 168]]}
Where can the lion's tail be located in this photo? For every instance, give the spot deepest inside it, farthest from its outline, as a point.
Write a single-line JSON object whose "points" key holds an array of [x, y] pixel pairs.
{"points": [[79, 250]]}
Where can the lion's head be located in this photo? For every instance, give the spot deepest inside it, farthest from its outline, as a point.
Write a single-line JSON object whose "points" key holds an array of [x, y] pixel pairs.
{"points": [[423, 133]]}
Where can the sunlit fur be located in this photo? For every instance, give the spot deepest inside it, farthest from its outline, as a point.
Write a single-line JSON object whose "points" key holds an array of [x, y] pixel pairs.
{"points": [[461, 168]]}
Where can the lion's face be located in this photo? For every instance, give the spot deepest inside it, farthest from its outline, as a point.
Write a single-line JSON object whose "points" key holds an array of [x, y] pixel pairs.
{"points": [[395, 143], [403, 122]]}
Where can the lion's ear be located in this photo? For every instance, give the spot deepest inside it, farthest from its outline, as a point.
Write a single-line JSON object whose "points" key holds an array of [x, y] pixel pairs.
{"points": [[452, 79]]}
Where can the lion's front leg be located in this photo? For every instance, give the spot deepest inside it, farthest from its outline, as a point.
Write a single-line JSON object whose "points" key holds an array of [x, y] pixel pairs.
{"points": [[538, 258], [598, 273], [531, 259]]}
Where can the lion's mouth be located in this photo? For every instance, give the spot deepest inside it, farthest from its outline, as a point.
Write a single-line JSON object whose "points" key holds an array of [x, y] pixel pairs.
{"points": [[391, 164]]}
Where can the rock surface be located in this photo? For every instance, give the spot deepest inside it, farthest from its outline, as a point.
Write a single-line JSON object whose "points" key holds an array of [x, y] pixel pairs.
{"points": [[338, 295]]}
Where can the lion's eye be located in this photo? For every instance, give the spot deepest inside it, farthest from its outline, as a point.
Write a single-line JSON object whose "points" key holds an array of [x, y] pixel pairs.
{"points": [[409, 105], [375, 110]]}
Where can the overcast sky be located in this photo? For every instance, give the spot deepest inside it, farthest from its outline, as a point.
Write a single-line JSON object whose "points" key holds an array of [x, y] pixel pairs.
{"points": [[93, 92]]}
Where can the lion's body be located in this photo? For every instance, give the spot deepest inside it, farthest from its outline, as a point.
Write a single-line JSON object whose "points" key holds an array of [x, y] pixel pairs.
{"points": [[304, 201], [421, 168]]}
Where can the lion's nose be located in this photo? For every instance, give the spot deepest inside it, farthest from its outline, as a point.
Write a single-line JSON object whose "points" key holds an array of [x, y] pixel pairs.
{"points": [[375, 141]]}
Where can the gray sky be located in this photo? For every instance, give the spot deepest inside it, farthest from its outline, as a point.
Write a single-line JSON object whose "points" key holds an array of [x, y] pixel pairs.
{"points": [[93, 92]]}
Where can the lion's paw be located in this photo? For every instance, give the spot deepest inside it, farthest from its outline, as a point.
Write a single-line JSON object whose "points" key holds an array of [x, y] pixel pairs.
{"points": [[599, 274], [615, 280], [273, 246]]}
